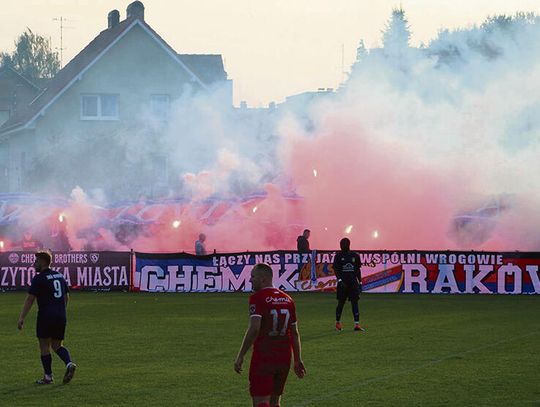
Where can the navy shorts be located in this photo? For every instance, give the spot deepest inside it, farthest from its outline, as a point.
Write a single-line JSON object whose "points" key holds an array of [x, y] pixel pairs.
{"points": [[54, 328], [347, 292]]}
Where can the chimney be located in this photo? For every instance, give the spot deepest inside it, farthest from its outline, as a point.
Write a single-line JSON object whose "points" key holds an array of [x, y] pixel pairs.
{"points": [[113, 18], [136, 10]]}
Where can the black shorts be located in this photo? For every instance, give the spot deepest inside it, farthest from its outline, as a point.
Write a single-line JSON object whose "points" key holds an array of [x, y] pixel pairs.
{"points": [[54, 328], [349, 292]]}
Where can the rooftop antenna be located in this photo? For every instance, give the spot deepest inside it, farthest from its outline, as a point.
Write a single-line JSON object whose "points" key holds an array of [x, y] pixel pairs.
{"points": [[62, 20]]}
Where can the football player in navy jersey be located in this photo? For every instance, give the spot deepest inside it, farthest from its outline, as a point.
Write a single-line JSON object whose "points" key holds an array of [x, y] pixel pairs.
{"points": [[51, 291], [349, 281]]}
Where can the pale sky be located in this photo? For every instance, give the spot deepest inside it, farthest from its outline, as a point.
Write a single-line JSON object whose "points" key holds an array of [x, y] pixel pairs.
{"points": [[272, 48]]}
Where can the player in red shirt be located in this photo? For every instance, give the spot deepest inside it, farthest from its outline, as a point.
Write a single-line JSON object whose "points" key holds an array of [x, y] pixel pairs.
{"points": [[273, 332]]}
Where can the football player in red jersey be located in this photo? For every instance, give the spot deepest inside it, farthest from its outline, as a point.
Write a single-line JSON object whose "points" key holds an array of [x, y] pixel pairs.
{"points": [[273, 332]]}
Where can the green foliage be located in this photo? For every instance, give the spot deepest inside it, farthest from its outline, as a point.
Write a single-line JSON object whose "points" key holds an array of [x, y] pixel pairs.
{"points": [[397, 34], [361, 51], [503, 22], [33, 57], [5, 59], [489, 40]]}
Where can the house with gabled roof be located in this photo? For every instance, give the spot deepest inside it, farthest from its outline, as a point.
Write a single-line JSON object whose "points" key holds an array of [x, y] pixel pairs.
{"points": [[128, 70]]}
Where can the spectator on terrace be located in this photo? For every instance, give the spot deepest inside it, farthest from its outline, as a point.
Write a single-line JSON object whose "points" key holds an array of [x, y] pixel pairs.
{"points": [[29, 242], [302, 242], [200, 250]]}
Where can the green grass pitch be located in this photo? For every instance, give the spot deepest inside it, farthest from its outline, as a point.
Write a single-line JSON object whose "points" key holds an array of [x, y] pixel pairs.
{"points": [[178, 349]]}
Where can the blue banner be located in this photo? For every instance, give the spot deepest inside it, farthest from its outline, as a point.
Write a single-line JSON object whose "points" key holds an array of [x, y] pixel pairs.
{"points": [[382, 271]]}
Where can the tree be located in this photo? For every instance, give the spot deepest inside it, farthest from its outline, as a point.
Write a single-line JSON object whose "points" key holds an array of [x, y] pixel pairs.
{"points": [[33, 57], [397, 34], [5, 59], [361, 57], [361, 51]]}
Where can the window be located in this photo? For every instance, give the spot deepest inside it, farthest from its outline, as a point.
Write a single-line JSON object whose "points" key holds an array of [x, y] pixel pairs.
{"points": [[109, 105], [89, 106], [99, 107], [160, 106]]}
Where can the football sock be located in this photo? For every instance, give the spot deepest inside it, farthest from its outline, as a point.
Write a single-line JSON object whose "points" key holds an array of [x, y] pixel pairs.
{"points": [[355, 311], [63, 353], [46, 361], [339, 310]]}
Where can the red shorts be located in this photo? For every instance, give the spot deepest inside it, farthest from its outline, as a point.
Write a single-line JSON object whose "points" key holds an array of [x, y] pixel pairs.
{"points": [[267, 377]]}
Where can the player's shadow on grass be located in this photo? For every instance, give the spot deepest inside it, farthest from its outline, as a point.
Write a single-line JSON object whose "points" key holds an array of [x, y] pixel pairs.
{"points": [[330, 332], [32, 388]]}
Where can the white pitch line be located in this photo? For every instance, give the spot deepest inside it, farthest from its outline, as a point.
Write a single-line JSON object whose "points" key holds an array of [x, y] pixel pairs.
{"points": [[413, 369]]}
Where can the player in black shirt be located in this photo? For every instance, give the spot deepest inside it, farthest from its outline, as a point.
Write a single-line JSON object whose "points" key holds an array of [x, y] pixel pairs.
{"points": [[51, 291], [349, 281]]}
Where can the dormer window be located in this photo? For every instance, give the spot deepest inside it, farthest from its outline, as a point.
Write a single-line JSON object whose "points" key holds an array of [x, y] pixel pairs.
{"points": [[102, 106]]}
